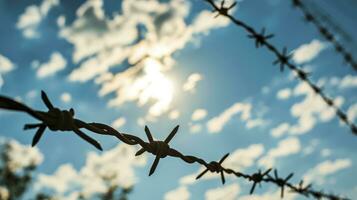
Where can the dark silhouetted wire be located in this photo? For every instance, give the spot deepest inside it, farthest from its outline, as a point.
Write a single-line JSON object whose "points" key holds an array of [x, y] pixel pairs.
{"points": [[326, 33], [62, 120], [283, 58]]}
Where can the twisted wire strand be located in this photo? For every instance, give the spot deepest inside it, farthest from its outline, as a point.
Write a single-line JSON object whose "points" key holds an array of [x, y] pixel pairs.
{"points": [[63, 120], [282, 59], [326, 33]]}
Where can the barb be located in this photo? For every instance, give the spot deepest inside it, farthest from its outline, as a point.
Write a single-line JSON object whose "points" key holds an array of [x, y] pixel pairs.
{"points": [[326, 33], [62, 120], [55, 119], [283, 60]]}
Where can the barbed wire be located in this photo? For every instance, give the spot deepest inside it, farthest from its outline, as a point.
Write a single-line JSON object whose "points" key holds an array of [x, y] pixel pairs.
{"points": [[282, 59], [326, 19], [326, 33], [63, 120]]}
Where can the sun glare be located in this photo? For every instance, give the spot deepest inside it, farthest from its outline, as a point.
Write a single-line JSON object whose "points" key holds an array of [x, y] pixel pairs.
{"points": [[156, 86]]}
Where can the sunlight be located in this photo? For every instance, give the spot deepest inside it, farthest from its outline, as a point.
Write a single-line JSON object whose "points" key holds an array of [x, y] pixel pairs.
{"points": [[155, 85]]}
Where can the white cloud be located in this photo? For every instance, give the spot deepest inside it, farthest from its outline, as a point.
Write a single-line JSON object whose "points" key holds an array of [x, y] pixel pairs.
{"points": [[181, 193], [348, 81], [240, 159], [253, 123], [118, 123], [309, 111], [16, 152], [191, 82], [270, 195], [308, 52], [352, 112], [198, 114], [5, 66], [285, 148], [216, 124], [101, 43], [318, 174], [325, 152], [195, 128], [280, 130], [56, 63], [61, 21], [32, 17], [284, 94], [174, 114], [310, 148], [113, 167], [66, 97], [228, 192]]}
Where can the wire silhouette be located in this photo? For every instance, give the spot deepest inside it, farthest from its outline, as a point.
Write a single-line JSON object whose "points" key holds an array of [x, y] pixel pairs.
{"points": [[62, 120], [55, 119], [325, 32], [283, 59]]}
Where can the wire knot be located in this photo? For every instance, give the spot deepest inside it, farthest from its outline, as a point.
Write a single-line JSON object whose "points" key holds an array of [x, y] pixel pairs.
{"points": [[215, 167], [257, 178], [281, 182], [160, 149], [222, 10], [260, 38], [61, 120]]}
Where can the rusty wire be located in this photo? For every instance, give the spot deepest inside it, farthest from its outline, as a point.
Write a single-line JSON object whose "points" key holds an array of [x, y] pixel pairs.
{"points": [[283, 59], [63, 120], [326, 33]]}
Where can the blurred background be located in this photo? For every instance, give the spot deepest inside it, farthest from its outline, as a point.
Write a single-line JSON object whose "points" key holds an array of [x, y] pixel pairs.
{"points": [[163, 63]]}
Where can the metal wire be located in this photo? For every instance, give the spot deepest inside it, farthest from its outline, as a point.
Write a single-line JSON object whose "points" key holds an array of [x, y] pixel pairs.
{"points": [[63, 120], [282, 58]]}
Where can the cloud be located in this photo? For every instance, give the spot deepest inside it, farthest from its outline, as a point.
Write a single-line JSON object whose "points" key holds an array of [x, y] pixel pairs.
{"points": [[310, 148], [56, 63], [181, 193], [216, 124], [198, 114], [318, 174], [191, 82], [174, 114], [270, 195], [118, 123], [66, 97], [285, 148], [195, 128], [32, 17], [240, 159], [228, 192], [352, 112], [98, 173], [145, 35], [16, 152], [284, 94], [5, 66], [346, 82], [309, 111], [253, 123], [280, 130], [308, 52]]}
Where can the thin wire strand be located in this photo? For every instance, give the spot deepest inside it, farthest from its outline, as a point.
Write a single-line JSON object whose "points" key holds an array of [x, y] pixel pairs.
{"points": [[63, 120], [283, 60], [326, 33]]}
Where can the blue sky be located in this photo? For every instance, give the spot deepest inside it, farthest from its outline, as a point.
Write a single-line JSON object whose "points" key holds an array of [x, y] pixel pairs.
{"points": [[74, 50]]}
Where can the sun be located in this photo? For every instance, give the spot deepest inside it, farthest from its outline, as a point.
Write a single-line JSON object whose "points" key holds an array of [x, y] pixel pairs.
{"points": [[157, 87]]}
